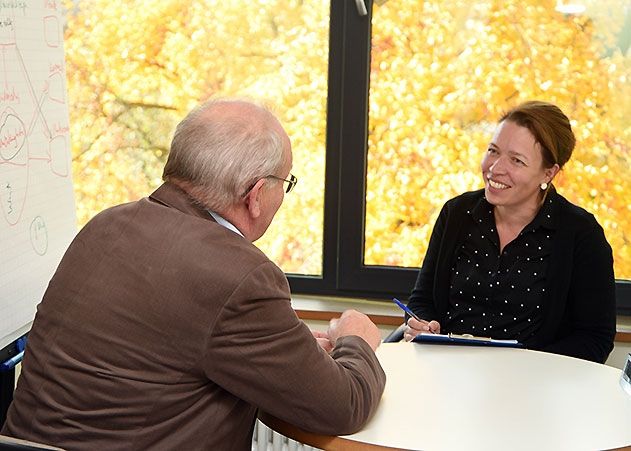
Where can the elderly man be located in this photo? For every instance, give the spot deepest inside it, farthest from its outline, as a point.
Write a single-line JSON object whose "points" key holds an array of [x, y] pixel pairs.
{"points": [[164, 327]]}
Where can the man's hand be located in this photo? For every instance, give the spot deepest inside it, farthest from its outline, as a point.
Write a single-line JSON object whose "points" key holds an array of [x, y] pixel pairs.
{"points": [[354, 323], [323, 340]]}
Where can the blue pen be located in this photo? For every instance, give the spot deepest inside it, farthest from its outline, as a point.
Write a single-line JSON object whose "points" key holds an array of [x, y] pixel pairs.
{"points": [[406, 309]]}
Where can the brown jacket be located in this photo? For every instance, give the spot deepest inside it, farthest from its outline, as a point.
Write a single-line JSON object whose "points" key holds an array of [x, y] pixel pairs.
{"points": [[161, 329]]}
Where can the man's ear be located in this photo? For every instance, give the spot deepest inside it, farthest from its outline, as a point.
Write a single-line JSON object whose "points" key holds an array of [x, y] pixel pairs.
{"points": [[253, 199]]}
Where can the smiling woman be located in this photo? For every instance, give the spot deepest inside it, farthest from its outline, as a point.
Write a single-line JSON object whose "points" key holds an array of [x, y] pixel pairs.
{"points": [[514, 173], [516, 260], [529, 147]]}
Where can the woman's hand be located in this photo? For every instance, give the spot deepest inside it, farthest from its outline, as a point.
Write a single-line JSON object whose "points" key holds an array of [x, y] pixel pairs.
{"points": [[416, 327]]}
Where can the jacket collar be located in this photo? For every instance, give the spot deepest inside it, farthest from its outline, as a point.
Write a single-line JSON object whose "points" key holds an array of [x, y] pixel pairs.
{"points": [[172, 196]]}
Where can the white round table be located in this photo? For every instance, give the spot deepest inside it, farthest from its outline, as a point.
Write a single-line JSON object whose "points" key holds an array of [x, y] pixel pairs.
{"points": [[443, 397]]}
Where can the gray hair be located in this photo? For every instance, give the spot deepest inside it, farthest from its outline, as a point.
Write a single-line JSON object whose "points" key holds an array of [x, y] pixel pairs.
{"points": [[218, 157]]}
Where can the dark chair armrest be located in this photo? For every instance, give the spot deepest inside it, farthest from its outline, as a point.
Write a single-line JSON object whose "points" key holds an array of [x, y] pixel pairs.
{"points": [[15, 444], [395, 335]]}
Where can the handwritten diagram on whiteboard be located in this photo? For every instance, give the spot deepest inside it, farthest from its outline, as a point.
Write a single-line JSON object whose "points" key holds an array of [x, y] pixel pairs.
{"points": [[37, 211]]}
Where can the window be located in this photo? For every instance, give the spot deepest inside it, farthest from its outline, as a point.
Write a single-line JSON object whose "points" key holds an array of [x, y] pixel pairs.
{"points": [[421, 87], [441, 74], [413, 90], [136, 68]]}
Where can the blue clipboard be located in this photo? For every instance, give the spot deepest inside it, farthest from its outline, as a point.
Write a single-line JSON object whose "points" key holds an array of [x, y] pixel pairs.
{"points": [[468, 340]]}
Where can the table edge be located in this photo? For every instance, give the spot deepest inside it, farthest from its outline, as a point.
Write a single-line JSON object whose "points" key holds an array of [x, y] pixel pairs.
{"points": [[326, 442]]}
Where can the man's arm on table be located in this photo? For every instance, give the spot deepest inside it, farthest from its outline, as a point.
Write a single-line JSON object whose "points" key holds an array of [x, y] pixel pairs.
{"points": [[261, 352]]}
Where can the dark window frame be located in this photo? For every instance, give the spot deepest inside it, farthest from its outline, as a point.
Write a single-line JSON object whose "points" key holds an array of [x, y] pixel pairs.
{"points": [[343, 271]]}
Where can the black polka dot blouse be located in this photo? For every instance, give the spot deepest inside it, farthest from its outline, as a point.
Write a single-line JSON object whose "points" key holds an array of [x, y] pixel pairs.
{"points": [[495, 294]]}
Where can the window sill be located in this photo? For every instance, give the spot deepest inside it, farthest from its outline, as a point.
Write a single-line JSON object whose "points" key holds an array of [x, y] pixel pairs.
{"points": [[382, 313], [324, 308]]}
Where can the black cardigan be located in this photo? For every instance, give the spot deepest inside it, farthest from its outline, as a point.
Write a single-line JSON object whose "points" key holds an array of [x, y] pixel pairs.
{"points": [[579, 313]]}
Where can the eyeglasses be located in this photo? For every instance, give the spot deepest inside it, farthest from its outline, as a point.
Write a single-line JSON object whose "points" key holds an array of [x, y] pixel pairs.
{"points": [[290, 183]]}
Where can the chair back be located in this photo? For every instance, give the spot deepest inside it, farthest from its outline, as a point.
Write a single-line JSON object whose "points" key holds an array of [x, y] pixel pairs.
{"points": [[395, 335]]}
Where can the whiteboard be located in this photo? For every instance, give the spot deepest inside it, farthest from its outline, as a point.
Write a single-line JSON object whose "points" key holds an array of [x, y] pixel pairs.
{"points": [[37, 210]]}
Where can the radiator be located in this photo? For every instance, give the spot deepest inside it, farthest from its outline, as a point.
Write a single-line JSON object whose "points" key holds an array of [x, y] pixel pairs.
{"points": [[264, 439]]}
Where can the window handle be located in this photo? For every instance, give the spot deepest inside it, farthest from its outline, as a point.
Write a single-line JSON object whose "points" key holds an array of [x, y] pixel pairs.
{"points": [[361, 7]]}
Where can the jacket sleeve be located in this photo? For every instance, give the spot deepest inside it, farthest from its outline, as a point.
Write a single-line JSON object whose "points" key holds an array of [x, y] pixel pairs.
{"points": [[422, 299], [261, 352], [589, 325]]}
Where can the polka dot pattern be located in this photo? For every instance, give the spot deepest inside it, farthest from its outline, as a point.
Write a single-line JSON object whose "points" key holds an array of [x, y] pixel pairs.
{"points": [[503, 294]]}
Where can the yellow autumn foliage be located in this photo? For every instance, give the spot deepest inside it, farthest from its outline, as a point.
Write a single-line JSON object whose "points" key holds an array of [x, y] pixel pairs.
{"points": [[441, 74], [135, 68]]}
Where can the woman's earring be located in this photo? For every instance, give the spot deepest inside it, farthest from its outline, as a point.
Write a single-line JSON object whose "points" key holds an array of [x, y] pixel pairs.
{"points": [[543, 186]]}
